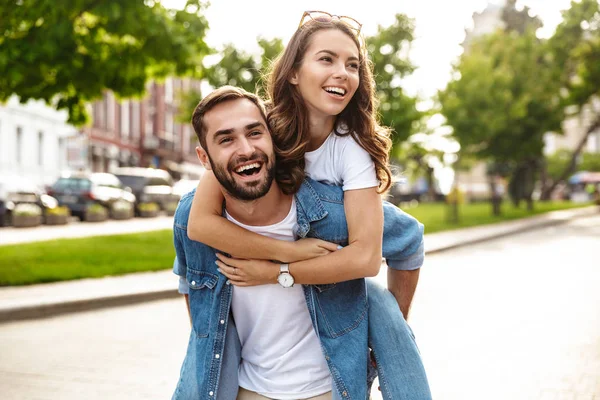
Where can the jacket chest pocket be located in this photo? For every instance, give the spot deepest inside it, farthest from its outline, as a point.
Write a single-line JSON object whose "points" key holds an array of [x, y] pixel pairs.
{"points": [[340, 307], [201, 296]]}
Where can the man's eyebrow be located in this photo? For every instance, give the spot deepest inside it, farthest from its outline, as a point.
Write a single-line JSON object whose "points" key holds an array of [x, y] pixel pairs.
{"points": [[222, 132], [255, 125], [334, 54]]}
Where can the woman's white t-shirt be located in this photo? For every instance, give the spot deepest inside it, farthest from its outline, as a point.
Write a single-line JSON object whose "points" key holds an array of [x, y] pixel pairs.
{"points": [[341, 161]]}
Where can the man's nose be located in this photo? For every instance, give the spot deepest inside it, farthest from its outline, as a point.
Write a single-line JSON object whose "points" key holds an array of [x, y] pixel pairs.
{"points": [[245, 147]]}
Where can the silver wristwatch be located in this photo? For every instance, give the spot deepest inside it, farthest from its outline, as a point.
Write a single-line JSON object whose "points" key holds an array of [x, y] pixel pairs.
{"points": [[285, 279]]}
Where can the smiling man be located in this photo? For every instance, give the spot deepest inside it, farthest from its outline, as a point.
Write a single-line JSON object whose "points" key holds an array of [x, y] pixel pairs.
{"points": [[277, 339]]}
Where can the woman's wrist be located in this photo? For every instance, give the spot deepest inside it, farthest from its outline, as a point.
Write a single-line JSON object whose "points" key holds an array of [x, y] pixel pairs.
{"points": [[285, 251]]}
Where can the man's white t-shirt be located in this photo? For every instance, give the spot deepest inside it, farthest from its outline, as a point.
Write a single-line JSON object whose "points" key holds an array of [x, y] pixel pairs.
{"points": [[281, 353], [340, 161]]}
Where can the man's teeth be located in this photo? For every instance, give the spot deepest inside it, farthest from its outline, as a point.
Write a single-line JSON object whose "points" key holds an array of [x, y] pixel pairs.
{"points": [[336, 90], [247, 167]]}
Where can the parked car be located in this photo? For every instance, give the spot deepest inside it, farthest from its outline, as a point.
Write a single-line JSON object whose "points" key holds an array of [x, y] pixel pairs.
{"points": [[16, 190], [80, 190], [149, 185], [184, 186]]}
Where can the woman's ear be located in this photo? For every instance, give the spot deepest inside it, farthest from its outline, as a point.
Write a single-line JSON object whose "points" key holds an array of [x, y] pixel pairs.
{"points": [[293, 79]]}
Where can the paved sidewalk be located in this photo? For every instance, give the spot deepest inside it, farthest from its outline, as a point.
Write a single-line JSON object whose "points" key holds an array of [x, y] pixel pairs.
{"points": [[35, 301], [11, 235]]}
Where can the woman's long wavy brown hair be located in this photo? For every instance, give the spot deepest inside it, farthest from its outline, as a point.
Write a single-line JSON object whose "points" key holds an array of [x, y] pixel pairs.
{"points": [[288, 115]]}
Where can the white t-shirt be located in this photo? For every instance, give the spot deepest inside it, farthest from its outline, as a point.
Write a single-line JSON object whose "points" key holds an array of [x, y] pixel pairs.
{"points": [[281, 353], [340, 161]]}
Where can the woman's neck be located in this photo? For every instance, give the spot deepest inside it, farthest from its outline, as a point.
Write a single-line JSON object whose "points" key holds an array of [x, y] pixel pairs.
{"points": [[319, 129]]}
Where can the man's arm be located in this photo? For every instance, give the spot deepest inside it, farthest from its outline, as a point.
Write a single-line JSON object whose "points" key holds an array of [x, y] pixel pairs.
{"points": [[403, 285]]}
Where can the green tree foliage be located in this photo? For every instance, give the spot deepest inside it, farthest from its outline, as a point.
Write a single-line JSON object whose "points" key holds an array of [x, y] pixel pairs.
{"points": [[388, 50], [519, 21], [67, 53], [575, 48], [236, 68], [559, 161], [502, 101]]}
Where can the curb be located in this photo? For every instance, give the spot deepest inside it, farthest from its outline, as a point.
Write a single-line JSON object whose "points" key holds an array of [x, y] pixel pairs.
{"points": [[50, 309], [533, 223], [20, 313]]}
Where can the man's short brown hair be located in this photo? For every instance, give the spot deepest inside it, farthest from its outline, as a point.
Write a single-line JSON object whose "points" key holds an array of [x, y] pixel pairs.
{"points": [[218, 96]]}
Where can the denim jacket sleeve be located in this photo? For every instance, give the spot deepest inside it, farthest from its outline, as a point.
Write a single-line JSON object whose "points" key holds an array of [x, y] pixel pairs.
{"points": [[179, 235], [402, 239], [402, 233]]}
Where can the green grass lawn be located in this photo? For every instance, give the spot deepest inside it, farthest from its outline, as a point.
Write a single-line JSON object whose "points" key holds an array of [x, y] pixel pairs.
{"points": [[67, 259], [435, 215]]}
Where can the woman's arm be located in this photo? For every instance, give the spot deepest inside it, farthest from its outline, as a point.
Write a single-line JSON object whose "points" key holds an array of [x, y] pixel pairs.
{"points": [[206, 225], [361, 258]]}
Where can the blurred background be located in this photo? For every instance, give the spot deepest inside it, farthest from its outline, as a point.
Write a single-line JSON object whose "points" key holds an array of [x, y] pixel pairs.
{"points": [[495, 111]]}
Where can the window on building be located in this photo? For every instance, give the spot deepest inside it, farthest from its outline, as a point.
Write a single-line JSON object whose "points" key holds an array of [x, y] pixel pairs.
{"points": [[19, 143], [40, 148], [168, 128], [169, 90], [125, 120], [135, 119], [110, 113]]}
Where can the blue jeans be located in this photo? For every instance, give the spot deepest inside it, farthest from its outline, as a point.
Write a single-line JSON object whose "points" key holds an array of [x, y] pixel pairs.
{"points": [[399, 365]]}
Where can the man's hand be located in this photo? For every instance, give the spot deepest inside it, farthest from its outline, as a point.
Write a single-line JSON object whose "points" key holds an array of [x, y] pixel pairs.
{"points": [[248, 272], [305, 249]]}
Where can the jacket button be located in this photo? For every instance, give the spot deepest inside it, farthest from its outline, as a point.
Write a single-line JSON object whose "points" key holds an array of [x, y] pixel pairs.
{"points": [[217, 356], [193, 282], [222, 321], [345, 394], [210, 393]]}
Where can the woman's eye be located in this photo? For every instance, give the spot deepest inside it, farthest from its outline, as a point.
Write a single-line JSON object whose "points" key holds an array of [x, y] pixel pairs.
{"points": [[328, 59], [354, 66]]}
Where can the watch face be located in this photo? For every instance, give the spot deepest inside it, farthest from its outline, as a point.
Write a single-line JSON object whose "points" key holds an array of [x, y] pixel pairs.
{"points": [[286, 280]]}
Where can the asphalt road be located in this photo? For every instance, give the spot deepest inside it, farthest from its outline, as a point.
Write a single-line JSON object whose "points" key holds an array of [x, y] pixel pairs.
{"points": [[515, 318]]}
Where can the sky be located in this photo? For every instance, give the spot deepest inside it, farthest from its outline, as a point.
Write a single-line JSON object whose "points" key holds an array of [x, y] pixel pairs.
{"points": [[440, 27]]}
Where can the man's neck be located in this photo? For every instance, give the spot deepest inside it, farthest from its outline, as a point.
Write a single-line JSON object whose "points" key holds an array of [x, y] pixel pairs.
{"points": [[267, 210]]}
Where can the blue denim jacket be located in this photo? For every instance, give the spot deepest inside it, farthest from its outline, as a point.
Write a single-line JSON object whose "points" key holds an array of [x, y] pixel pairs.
{"points": [[338, 311]]}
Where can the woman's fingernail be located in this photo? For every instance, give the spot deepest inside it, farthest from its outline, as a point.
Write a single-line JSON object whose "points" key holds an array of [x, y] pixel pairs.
{"points": [[218, 269], [340, 247]]}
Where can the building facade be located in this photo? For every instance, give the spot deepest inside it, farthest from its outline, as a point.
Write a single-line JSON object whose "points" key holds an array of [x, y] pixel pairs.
{"points": [[34, 141], [143, 132]]}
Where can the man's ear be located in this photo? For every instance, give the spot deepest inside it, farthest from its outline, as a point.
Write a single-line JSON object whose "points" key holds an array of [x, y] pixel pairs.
{"points": [[293, 79], [203, 157]]}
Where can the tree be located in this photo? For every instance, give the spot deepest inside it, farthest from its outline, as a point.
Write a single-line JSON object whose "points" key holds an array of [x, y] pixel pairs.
{"points": [[519, 21], [67, 53], [502, 101], [575, 47], [236, 68], [388, 50]]}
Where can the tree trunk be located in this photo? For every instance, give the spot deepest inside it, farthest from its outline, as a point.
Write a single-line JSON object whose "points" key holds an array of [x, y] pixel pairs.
{"points": [[495, 197], [571, 166]]}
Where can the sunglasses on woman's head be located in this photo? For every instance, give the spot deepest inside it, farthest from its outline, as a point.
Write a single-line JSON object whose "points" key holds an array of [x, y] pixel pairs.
{"points": [[322, 16]]}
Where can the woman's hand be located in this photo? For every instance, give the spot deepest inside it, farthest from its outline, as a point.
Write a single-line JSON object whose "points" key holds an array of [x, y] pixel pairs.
{"points": [[305, 249], [248, 272]]}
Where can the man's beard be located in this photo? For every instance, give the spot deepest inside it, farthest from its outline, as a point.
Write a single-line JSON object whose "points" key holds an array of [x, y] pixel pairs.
{"points": [[249, 190]]}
